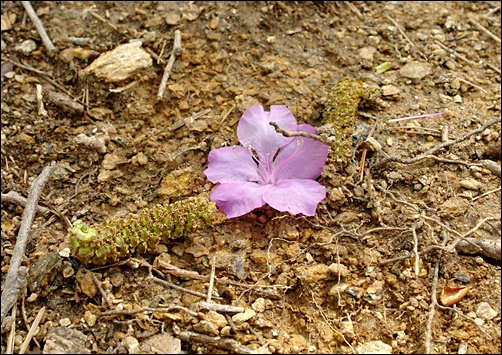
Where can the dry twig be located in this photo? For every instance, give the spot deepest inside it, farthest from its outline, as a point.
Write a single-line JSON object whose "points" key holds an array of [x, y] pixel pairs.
{"points": [[147, 309], [297, 134], [16, 198], [176, 51], [491, 35], [231, 345], [173, 270], [14, 280], [428, 153], [406, 37], [100, 289], [221, 308], [38, 25], [459, 56], [32, 331]]}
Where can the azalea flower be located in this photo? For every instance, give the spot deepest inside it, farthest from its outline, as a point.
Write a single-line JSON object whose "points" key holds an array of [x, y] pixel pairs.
{"points": [[268, 168]]}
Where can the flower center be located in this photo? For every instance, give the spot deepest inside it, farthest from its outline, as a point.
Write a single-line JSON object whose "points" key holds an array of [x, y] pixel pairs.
{"points": [[276, 173]]}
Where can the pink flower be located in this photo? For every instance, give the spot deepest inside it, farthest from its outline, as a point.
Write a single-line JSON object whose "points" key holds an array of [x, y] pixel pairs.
{"points": [[268, 168]]}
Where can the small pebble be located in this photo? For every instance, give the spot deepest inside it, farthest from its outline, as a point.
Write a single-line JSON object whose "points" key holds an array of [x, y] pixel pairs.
{"points": [[485, 311], [243, 317]]}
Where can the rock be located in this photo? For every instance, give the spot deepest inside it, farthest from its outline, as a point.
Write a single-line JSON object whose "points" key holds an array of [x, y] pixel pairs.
{"points": [[471, 184], [131, 344], [259, 305], [177, 183], [90, 318], [390, 90], [62, 340], [173, 19], [485, 311], [339, 269], [313, 273], [298, 343], [243, 317], [338, 289], [453, 207], [120, 63], [112, 161], [216, 318], [415, 70], [86, 283], [374, 347], [161, 344], [26, 47], [374, 292], [367, 53], [190, 12], [347, 329], [206, 327]]}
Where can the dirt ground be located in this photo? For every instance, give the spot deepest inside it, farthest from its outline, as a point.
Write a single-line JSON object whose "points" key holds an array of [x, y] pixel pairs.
{"points": [[361, 276]]}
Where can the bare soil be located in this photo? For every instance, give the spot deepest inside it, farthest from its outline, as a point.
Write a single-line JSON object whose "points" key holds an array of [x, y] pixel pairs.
{"points": [[324, 284]]}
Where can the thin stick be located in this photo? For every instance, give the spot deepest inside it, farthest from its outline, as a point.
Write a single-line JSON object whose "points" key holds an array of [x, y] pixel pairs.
{"points": [[16, 198], [415, 117], [182, 289], [104, 21], [363, 154], [10, 340], [459, 56], [297, 134], [471, 20], [146, 309], [38, 25], [415, 250], [12, 285], [173, 270], [354, 9], [491, 165], [40, 102], [428, 154], [188, 120], [432, 310], [32, 331], [486, 193], [473, 85], [211, 281], [45, 76], [220, 308], [100, 289], [404, 35], [176, 51], [229, 344]]}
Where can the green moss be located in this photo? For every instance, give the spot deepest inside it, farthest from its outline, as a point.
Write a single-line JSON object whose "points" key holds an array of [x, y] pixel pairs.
{"points": [[340, 111], [118, 239]]}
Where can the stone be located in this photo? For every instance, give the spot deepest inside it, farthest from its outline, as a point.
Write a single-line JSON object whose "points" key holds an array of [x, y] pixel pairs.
{"points": [[63, 340], [367, 53], [120, 63], [390, 90], [161, 344], [415, 70], [485, 311], [313, 273], [240, 318], [374, 347]]}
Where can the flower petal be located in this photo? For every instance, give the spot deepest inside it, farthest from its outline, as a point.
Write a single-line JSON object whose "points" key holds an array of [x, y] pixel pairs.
{"points": [[231, 164], [238, 198], [306, 128], [302, 158], [255, 130], [295, 196]]}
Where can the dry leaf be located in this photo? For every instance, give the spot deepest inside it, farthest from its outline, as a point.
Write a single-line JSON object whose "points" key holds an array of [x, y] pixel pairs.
{"points": [[451, 295]]}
